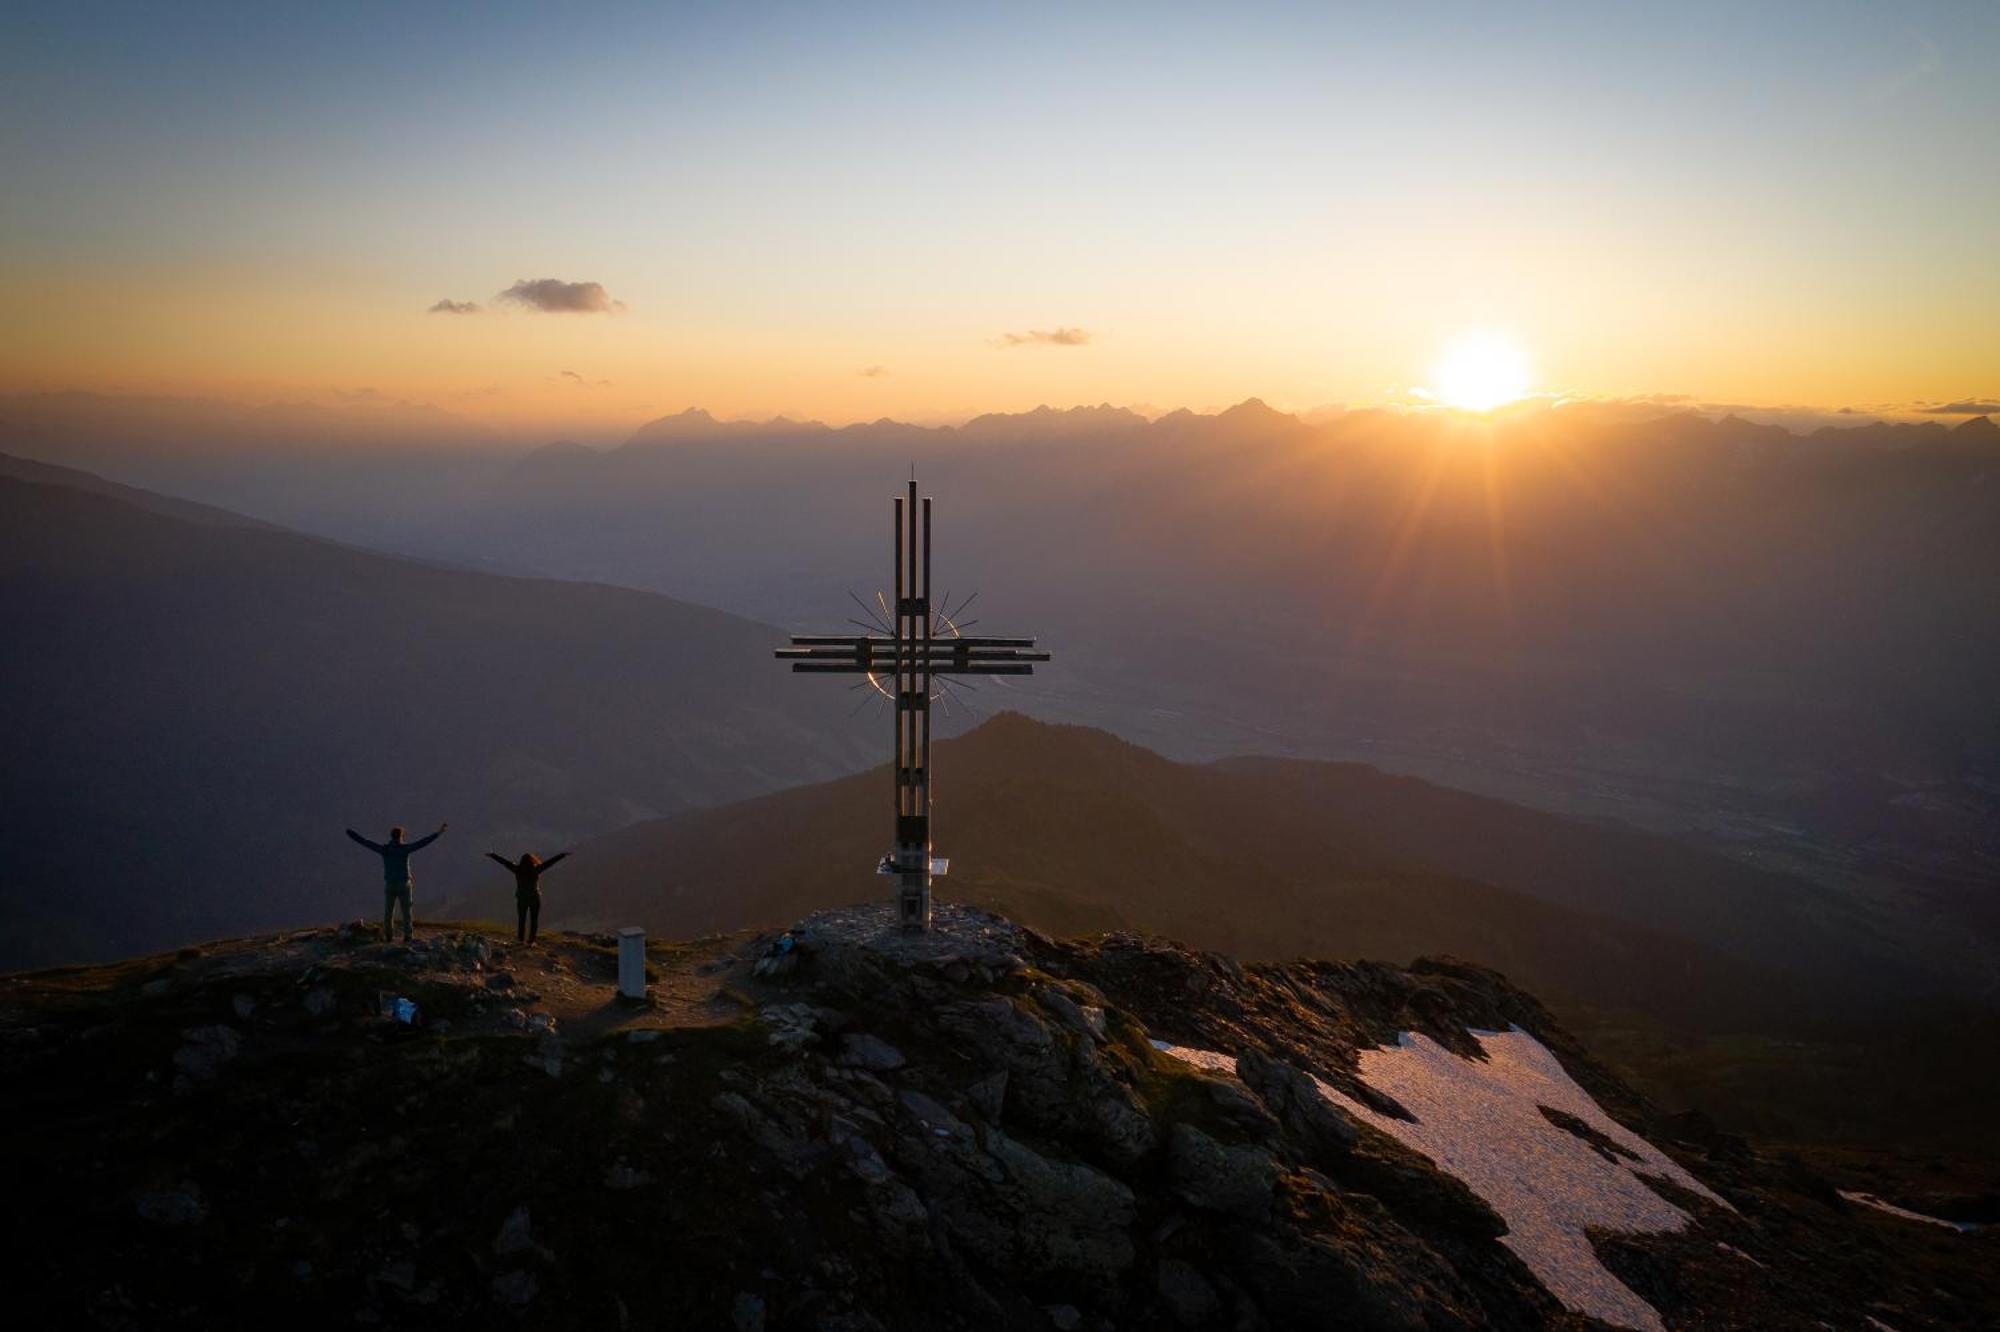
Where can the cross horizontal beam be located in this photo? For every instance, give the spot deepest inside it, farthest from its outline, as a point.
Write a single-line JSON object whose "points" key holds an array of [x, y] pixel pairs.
{"points": [[917, 652], [942, 667], [849, 640]]}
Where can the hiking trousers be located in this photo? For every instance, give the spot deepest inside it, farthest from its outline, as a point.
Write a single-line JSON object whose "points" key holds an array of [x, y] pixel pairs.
{"points": [[394, 894], [527, 917]]}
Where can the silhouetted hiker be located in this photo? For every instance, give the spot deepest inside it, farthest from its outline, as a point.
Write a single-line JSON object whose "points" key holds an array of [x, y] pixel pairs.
{"points": [[396, 884], [527, 890]]}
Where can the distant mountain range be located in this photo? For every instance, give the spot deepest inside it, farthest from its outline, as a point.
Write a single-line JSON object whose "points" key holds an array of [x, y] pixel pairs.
{"points": [[1780, 645], [198, 704]]}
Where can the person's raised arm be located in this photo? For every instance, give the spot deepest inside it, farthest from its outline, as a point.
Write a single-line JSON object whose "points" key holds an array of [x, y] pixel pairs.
{"points": [[499, 860], [550, 863], [423, 842], [364, 841]]}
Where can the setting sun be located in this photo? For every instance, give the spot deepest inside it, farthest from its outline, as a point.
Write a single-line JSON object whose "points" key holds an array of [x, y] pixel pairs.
{"points": [[1480, 371]]}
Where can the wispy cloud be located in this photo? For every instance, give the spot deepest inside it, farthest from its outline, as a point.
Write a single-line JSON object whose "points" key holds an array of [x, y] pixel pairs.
{"points": [[1963, 407], [873, 371], [1052, 337], [449, 306], [554, 296], [572, 377]]}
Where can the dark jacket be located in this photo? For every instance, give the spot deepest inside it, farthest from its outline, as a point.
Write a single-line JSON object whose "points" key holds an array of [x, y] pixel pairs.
{"points": [[395, 856], [527, 873]]}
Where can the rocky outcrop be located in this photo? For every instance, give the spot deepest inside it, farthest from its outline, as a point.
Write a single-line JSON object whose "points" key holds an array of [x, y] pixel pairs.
{"points": [[969, 1130]]}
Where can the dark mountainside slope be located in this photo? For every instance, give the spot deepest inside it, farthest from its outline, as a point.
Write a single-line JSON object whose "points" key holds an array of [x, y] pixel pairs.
{"points": [[46, 474], [195, 710], [1071, 829], [980, 1131]]}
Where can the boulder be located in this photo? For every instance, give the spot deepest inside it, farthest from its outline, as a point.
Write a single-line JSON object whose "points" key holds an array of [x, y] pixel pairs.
{"points": [[206, 1049], [860, 1050], [516, 1290], [1295, 1100], [1185, 1293], [1234, 1180]]}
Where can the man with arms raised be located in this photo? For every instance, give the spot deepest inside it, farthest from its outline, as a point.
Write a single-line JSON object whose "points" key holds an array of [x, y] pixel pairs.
{"points": [[396, 883]]}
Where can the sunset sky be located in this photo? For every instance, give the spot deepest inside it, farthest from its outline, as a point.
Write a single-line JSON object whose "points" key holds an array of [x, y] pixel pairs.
{"points": [[858, 211]]}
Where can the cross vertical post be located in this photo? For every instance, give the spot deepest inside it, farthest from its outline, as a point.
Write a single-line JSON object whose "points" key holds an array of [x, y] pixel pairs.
{"points": [[912, 854], [921, 643]]}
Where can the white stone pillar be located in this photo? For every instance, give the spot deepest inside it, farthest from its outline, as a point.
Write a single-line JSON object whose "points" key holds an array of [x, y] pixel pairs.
{"points": [[632, 962]]}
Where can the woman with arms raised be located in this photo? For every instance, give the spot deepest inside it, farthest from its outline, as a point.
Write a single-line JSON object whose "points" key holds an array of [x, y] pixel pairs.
{"points": [[527, 873]]}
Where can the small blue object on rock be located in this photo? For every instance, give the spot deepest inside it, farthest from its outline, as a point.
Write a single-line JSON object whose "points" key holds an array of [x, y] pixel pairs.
{"points": [[406, 1011]]}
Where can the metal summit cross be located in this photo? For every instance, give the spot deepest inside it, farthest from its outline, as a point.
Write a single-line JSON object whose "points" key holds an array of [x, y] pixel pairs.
{"points": [[916, 645]]}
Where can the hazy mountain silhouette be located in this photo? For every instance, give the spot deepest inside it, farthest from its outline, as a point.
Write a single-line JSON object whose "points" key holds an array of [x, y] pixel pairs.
{"points": [[47, 474], [1776, 642], [197, 709], [1725, 608], [696, 424]]}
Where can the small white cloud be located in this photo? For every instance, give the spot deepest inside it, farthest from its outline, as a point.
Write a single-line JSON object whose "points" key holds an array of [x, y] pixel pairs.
{"points": [[1052, 337]]}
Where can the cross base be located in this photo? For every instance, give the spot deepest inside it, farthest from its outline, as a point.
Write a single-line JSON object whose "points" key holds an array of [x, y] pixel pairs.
{"points": [[913, 902]]}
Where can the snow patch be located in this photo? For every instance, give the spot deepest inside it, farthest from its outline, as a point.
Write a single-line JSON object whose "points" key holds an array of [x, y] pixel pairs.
{"points": [[1482, 1122], [1207, 1060], [1884, 1205]]}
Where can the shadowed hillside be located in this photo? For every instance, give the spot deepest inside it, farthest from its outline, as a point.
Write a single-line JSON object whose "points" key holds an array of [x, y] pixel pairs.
{"points": [[1072, 829], [195, 711]]}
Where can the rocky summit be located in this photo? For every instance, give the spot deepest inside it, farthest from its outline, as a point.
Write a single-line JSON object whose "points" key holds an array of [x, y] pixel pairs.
{"points": [[842, 1127]]}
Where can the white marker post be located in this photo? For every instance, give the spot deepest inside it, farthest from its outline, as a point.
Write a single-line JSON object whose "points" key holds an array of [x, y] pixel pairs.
{"points": [[632, 963]]}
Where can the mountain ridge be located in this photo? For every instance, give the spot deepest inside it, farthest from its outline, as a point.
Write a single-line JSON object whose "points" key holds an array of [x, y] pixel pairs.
{"points": [[1309, 856]]}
